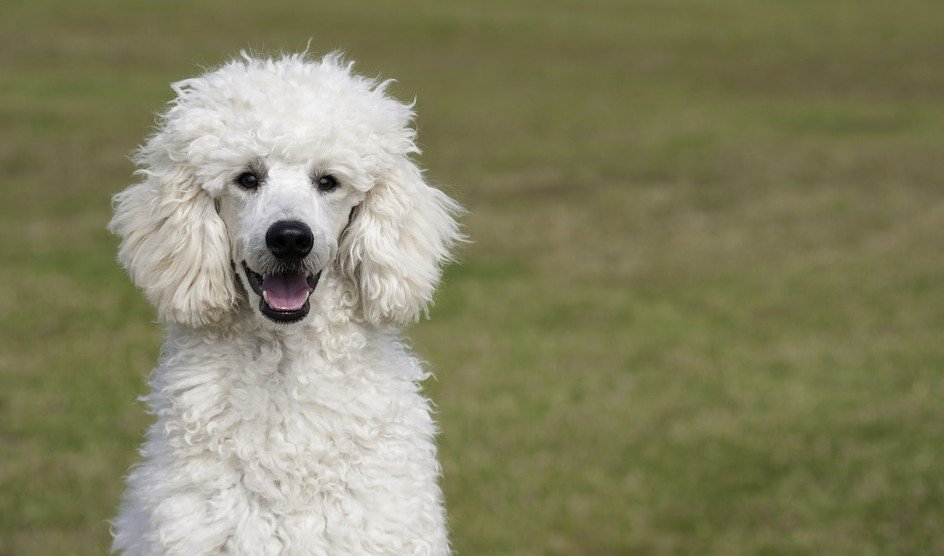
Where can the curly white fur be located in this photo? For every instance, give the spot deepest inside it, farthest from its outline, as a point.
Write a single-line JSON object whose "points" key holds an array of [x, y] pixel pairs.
{"points": [[273, 438]]}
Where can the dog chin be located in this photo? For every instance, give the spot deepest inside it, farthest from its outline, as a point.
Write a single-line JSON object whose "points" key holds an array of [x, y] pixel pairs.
{"points": [[283, 298]]}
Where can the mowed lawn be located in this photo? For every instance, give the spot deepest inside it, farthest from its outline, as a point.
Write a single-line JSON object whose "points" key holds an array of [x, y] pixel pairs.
{"points": [[703, 309]]}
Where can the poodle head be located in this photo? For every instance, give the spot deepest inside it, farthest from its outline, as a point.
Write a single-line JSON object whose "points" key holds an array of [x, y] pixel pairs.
{"points": [[270, 173]]}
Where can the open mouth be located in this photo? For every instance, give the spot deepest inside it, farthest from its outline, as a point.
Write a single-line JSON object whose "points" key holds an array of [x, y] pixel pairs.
{"points": [[283, 297]]}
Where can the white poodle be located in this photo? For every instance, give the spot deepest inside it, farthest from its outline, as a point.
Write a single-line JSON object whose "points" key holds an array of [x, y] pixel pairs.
{"points": [[284, 235]]}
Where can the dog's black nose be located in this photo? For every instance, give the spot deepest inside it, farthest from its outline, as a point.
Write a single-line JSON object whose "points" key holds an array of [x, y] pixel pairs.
{"points": [[289, 240]]}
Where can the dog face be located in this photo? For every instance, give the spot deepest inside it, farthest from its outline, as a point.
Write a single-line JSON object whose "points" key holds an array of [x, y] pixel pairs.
{"points": [[285, 220], [272, 173]]}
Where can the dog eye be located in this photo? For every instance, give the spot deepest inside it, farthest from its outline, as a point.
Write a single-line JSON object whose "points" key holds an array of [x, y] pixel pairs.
{"points": [[248, 180], [327, 182]]}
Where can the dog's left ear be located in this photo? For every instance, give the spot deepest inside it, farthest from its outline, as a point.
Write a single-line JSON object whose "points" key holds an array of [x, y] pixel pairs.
{"points": [[396, 243]]}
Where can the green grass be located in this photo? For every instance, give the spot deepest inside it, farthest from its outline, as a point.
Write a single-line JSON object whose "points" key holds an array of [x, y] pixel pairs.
{"points": [[702, 313]]}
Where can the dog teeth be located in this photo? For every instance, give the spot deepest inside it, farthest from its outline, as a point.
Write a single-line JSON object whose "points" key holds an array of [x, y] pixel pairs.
{"points": [[265, 296]]}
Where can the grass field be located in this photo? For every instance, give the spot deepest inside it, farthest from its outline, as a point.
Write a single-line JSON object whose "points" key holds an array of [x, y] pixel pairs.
{"points": [[704, 306]]}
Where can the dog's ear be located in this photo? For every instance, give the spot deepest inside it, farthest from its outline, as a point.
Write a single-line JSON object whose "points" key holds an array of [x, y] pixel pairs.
{"points": [[396, 243], [174, 246]]}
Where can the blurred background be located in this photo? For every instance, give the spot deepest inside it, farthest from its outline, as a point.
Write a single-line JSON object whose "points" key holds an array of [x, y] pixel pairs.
{"points": [[703, 309]]}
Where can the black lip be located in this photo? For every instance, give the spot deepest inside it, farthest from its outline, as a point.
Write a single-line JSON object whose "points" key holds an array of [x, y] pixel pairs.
{"points": [[284, 316], [287, 317], [254, 279]]}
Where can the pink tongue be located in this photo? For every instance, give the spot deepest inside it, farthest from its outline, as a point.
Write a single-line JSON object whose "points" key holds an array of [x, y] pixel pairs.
{"points": [[286, 292]]}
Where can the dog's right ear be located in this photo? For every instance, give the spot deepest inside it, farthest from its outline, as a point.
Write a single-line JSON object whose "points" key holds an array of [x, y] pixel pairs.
{"points": [[174, 246]]}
